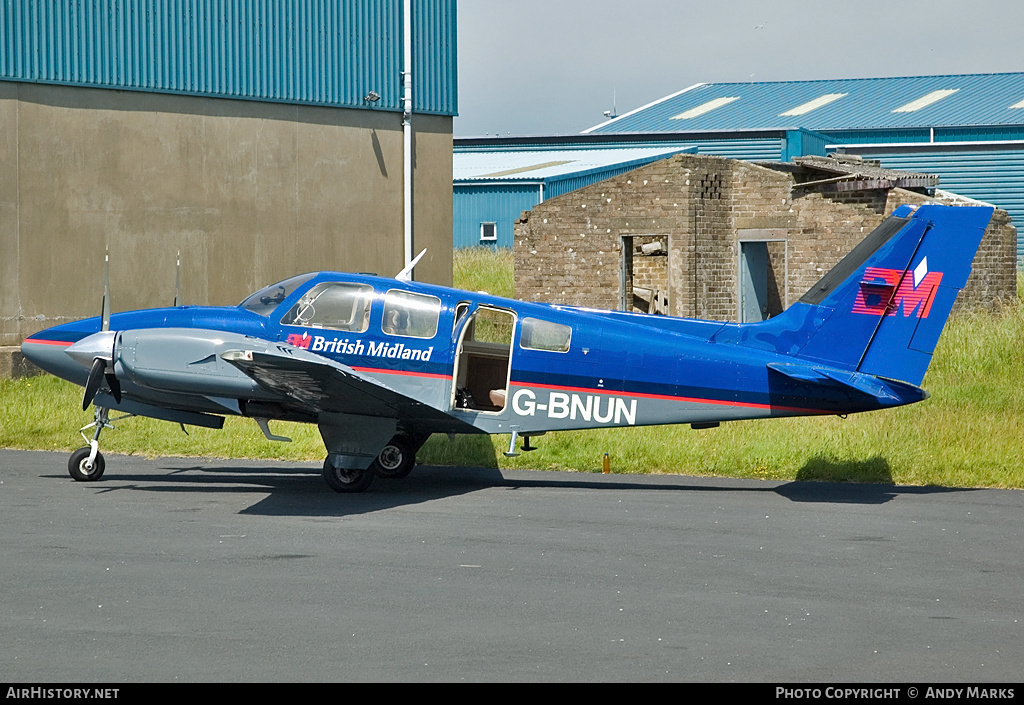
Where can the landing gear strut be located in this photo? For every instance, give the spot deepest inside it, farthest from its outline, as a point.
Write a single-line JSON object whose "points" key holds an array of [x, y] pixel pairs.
{"points": [[87, 464]]}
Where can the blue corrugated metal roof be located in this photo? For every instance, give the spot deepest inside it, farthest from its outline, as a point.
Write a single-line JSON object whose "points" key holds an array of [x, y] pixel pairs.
{"points": [[319, 52], [494, 186], [868, 103], [549, 165]]}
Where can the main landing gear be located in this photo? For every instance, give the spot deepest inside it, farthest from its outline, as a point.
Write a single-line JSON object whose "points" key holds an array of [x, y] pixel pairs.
{"points": [[394, 462], [87, 464], [346, 479]]}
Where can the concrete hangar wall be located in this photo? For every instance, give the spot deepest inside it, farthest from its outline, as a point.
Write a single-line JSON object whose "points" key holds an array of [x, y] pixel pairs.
{"points": [[260, 138]]}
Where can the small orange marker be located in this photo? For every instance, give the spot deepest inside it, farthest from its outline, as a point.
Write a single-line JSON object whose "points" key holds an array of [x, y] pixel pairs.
{"points": [[607, 465]]}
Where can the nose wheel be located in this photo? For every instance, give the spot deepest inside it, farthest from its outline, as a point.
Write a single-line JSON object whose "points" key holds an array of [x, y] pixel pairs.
{"points": [[87, 464], [82, 468]]}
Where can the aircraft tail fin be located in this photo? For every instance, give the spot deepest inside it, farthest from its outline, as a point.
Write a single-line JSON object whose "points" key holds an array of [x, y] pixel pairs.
{"points": [[880, 311]]}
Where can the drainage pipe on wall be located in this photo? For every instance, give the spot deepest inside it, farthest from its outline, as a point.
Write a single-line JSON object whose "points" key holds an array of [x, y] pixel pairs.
{"points": [[407, 128]]}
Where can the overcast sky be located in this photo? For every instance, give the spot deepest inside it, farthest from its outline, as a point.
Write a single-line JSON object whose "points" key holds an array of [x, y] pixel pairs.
{"points": [[533, 67]]}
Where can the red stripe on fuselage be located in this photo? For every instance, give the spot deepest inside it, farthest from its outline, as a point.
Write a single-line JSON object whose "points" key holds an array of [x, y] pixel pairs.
{"points": [[36, 341], [641, 395], [404, 373]]}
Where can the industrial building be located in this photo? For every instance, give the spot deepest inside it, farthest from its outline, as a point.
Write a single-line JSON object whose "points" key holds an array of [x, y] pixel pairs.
{"points": [[966, 129], [258, 138], [492, 187]]}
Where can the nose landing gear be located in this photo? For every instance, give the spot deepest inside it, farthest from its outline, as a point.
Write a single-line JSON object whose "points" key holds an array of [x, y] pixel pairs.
{"points": [[87, 464]]}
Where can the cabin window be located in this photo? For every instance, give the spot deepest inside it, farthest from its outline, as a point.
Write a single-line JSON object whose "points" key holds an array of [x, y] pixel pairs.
{"points": [[488, 232], [536, 334], [334, 305], [411, 315]]}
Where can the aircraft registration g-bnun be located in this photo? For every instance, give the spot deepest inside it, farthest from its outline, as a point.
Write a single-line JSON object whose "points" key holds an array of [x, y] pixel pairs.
{"points": [[380, 364]]}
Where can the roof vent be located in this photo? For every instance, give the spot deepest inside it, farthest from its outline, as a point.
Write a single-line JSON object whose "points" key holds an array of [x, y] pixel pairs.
{"points": [[926, 100], [814, 104], [705, 108]]}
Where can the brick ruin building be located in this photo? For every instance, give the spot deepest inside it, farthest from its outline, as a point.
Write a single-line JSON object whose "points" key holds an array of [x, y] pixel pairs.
{"points": [[709, 237]]}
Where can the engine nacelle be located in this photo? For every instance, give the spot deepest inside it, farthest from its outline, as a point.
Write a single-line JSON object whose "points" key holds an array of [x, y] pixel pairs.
{"points": [[186, 360]]}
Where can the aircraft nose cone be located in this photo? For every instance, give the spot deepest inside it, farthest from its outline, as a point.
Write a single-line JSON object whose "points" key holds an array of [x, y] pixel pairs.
{"points": [[87, 349]]}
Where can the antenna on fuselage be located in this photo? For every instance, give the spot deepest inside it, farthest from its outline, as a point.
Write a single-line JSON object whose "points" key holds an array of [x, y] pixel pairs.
{"points": [[177, 282], [406, 274]]}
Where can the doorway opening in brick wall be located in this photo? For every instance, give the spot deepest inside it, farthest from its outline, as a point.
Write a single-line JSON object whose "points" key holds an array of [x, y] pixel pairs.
{"points": [[643, 274], [761, 279]]}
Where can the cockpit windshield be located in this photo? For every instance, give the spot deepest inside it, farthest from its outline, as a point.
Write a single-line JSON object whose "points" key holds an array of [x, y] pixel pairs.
{"points": [[264, 301]]}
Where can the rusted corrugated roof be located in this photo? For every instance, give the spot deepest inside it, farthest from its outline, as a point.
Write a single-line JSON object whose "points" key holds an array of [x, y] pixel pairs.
{"points": [[848, 173]]}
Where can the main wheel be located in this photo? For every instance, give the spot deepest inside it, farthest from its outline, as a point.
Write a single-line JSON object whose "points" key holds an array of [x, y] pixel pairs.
{"points": [[77, 465], [396, 460], [346, 480]]}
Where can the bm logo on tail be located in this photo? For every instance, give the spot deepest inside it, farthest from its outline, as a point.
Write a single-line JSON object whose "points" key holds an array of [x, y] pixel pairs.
{"points": [[914, 291]]}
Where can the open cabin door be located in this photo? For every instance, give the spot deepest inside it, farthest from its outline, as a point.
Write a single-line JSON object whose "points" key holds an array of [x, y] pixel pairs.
{"points": [[483, 358]]}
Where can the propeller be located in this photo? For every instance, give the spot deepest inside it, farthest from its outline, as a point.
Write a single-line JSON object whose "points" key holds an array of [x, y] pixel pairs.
{"points": [[114, 386], [98, 372], [99, 367], [177, 282], [97, 375]]}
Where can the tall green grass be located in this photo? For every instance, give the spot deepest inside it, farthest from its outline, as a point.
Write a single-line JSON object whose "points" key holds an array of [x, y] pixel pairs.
{"points": [[970, 433], [484, 269]]}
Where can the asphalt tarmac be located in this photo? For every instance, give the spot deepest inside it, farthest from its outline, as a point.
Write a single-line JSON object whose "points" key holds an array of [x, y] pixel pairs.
{"points": [[187, 570]]}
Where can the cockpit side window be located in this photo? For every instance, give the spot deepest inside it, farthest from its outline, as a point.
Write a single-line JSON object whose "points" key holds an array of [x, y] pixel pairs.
{"points": [[264, 301], [536, 334], [334, 305], [411, 315]]}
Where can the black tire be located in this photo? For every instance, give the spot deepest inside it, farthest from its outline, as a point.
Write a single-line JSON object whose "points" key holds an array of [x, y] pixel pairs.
{"points": [[347, 481], [76, 465], [396, 460]]}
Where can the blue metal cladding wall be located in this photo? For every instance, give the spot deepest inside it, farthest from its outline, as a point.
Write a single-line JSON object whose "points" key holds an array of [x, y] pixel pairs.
{"points": [[435, 85], [983, 133], [801, 143], [319, 52], [754, 150], [995, 176], [556, 187], [497, 203], [502, 203]]}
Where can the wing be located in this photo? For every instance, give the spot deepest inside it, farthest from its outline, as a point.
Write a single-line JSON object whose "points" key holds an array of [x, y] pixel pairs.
{"points": [[321, 386]]}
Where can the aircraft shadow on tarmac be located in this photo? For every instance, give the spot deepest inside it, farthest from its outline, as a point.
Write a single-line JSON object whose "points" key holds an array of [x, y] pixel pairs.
{"points": [[299, 491]]}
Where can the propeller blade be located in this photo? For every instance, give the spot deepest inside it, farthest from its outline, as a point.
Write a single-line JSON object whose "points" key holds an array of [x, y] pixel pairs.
{"points": [[177, 283], [114, 385], [99, 365], [105, 313]]}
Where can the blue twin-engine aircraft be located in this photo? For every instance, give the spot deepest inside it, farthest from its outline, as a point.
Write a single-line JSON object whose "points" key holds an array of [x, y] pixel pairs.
{"points": [[380, 364]]}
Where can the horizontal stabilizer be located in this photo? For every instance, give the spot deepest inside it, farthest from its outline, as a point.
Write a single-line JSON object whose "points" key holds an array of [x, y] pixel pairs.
{"points": [[866, 384]]}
